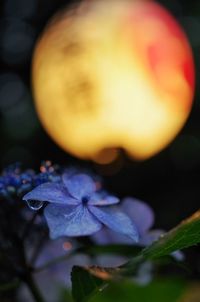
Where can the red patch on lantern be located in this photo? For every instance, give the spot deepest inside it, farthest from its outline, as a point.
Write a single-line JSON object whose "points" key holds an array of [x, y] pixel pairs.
{"points": [[162, 50]]}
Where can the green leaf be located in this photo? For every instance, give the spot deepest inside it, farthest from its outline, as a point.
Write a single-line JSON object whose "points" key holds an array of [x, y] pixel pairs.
{"points": [[184, 235], [64, 295], [84, 285], [164, 290]]}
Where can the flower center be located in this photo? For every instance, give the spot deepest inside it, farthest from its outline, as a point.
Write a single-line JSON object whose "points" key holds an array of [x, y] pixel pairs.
{"points": [[85, 199]]}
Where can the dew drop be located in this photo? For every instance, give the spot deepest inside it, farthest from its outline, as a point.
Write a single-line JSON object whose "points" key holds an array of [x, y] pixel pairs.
{"points": [[35, 204]]}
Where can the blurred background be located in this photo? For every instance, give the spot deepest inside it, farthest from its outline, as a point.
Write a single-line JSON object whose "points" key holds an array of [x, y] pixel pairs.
{"points": [[169, 182]]}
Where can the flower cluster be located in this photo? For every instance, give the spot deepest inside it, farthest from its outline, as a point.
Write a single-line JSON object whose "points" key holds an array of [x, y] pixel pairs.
{"points": [[15, 181]]}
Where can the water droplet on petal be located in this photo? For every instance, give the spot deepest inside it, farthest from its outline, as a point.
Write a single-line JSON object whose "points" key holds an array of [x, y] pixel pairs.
{"points": [[35, 204]]}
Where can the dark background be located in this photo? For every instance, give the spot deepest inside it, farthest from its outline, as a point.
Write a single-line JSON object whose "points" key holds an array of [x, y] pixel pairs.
{"points": [[169, 182]]}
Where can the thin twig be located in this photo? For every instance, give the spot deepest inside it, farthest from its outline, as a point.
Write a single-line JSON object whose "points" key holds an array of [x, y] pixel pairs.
{"points": [[29, 226], [26, 276], [38, 247], [33, 288]]}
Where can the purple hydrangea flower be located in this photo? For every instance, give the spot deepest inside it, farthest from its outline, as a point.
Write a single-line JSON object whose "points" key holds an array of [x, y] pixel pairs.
{"points": [[76, 208]]}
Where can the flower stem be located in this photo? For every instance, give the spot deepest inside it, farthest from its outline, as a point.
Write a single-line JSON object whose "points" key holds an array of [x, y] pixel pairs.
{"points": [[33, 288], [29, 226], [27, 277]]}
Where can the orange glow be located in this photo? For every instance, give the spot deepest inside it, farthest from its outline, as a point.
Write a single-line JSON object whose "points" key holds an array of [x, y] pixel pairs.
{"points": [[67, 245], [113, 74]]}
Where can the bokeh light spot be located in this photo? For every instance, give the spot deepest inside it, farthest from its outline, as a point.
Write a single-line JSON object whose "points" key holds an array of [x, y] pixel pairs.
{"points": [[16, 41]]}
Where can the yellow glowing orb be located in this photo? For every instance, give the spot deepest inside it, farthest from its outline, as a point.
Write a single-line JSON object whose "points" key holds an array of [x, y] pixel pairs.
{"points": [[111, 74]]}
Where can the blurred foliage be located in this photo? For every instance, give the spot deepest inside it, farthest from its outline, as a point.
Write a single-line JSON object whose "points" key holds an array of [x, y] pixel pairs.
{"points": [[84, 285], [159, 290], [165, 290]]}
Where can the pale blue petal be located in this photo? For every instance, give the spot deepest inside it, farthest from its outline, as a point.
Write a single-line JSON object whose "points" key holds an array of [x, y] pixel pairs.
{"points": [[70, 221], [79, 185], [178, 256], [144, 274], [115, 220], [52, 192], [102, 199], [141, 214]]}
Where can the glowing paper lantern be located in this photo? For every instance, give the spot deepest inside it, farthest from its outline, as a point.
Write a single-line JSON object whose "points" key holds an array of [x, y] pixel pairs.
{"points": [[111, 74]]}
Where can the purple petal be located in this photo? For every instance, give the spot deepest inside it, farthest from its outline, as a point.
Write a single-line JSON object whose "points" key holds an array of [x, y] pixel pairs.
{"points": [[151, 236], [79, 185], [70, 221], [52, 192], [107, 236], [141, 214], [115, 220], [103, 237], [52, 249], [69, 172], [98, 199]]}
